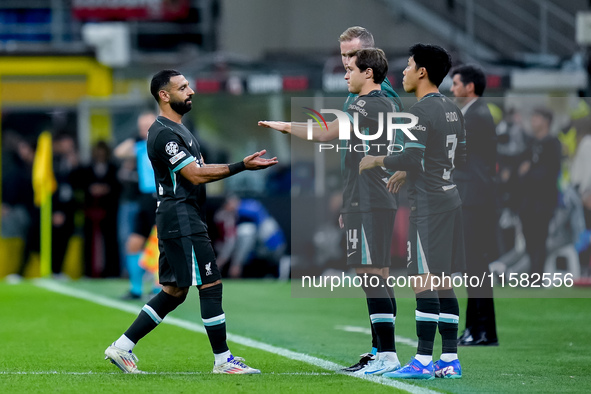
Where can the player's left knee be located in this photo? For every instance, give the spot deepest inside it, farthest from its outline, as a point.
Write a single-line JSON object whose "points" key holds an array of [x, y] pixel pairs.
{"points": [[211, 291], [374, 286], [210, 299], [372, 271]]}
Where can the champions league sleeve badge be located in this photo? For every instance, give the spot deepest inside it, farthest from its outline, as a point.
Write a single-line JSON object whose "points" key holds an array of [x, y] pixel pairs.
{"points": [[172, 148]]}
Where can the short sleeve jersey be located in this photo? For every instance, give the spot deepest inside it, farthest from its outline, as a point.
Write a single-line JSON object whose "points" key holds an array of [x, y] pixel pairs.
{"points": [[440, 132], [367, 191], [171, 147]]}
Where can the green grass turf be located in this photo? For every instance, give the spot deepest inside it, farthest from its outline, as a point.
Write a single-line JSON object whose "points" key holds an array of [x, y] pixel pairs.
{"points": [[43, 332], [545, 343]]}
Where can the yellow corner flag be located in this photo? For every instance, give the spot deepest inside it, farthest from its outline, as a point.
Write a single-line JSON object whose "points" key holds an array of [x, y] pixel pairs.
{"points": [[44, 185]]}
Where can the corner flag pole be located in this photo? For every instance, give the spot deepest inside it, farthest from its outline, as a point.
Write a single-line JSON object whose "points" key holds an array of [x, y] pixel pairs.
{"points": [[45, 254]]}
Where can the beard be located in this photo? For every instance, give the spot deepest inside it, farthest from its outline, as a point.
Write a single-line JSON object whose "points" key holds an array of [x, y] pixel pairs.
{"points": [[181, 107]]}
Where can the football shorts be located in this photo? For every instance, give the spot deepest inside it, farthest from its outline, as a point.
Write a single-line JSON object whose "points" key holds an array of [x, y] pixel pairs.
{"points": [[187, 261], [369, 235], [436, 243]]}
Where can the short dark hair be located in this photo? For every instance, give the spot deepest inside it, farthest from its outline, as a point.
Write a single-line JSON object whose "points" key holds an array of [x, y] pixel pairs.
{"points": [[160, 80], [435, 59], [373, 58], [545, 113], [471, 73], [102, 145], [365, 37]]}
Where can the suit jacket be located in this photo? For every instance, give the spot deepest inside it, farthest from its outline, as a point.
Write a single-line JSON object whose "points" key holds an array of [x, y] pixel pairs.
{"points": [[539, 184], [477, 178]]}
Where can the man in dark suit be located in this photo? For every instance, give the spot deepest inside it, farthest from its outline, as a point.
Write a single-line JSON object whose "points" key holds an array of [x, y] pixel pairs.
{"points": [[476, 184], [538, 175]]}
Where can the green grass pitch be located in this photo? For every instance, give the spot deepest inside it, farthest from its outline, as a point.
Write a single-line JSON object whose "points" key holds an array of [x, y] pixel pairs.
{"points": [[51, 342]]}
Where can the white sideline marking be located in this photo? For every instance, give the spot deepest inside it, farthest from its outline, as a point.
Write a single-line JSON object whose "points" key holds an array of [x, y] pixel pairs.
{"points": [[134, 309], [365, 330], [147, 373]]}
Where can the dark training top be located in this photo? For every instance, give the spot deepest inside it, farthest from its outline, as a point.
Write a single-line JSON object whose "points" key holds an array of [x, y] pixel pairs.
{"points": [[367, 192], [430, 161], [171, 147]]}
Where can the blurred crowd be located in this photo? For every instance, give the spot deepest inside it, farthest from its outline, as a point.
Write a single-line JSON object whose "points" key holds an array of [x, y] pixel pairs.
{"points": [[86, 201], [110, 202], [543, 196], [544, 203], [544, 177]]}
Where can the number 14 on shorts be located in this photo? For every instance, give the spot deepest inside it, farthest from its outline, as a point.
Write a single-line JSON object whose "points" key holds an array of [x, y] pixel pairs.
{"points": [[352, 240]]}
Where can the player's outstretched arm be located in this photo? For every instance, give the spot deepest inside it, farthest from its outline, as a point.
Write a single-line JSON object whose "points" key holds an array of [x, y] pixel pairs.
{"points": [[214, 172], [256, 162], [300, 129]]}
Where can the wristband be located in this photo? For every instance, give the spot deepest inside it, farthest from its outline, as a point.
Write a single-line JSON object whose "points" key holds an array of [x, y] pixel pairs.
{"points": [[235, 168]]}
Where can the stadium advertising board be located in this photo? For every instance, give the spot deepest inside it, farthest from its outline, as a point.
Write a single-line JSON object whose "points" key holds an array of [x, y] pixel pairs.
{"points": [[110, 10]]}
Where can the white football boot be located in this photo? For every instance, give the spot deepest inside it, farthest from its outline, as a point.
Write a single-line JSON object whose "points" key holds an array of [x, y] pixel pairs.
{"points": [[125, 361], [379, 367], [234, 365]]}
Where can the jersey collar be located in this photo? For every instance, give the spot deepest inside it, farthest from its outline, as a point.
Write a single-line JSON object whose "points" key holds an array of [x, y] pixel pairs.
{"points": [[438, 94]]}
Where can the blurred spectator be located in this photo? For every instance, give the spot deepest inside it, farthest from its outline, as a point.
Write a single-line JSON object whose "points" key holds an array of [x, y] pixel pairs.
{"points": [[512, 142], [581, 180], [136, 223], [15, 215], [571, 134], [101, 197], [128, 178], [581, 165], [248, 234], [278, 180], [65, 168], [18, 208], [511, 145], [538, 177], [329, 239]]}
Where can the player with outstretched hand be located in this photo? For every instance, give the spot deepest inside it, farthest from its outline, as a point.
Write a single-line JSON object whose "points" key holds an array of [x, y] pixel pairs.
{"points": [[368, 208], [186, 254], [354, 38], [435, 233]]}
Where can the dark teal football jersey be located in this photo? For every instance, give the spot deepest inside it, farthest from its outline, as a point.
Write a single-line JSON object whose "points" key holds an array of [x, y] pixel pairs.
{"points": [[171, 147]]}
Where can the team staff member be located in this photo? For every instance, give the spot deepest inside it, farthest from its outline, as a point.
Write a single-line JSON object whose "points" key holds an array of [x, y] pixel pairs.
{"points": [[477, 186], [186, 255], [538, 176], [436, 240]]}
